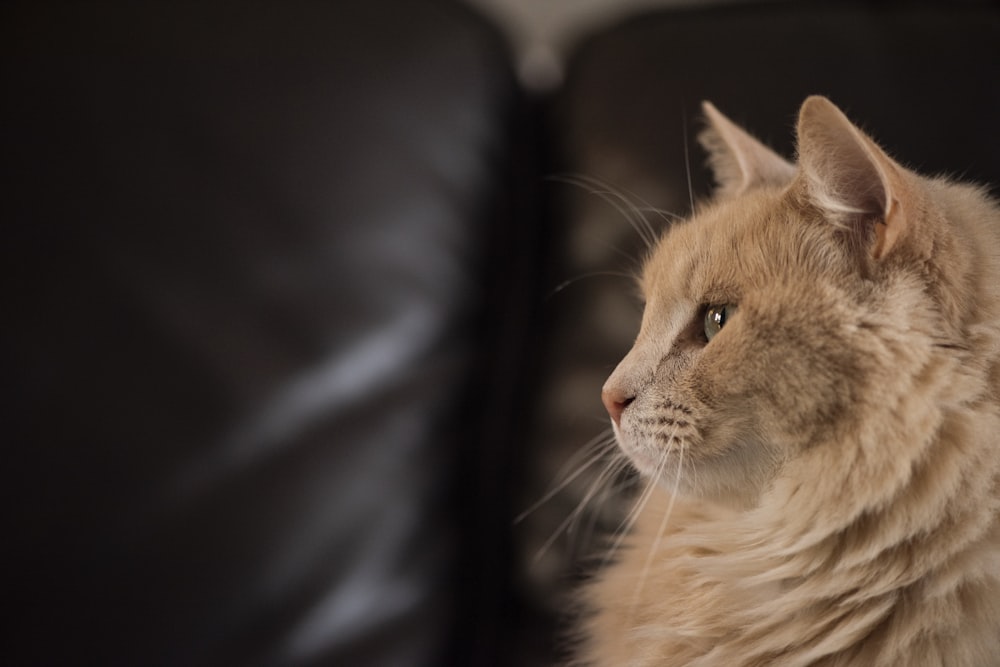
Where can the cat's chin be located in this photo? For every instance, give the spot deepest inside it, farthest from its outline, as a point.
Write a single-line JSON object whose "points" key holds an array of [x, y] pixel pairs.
{"points": [[663, 466], [727, 497], [650, 462], [714, 480]]}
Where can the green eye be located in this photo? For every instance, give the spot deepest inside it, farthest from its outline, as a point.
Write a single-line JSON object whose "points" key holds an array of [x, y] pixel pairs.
{"points": [[716, 318]]}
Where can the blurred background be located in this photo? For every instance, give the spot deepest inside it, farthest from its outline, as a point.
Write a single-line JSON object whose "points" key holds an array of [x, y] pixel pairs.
{"points": [[307, 305], [543, 32]]}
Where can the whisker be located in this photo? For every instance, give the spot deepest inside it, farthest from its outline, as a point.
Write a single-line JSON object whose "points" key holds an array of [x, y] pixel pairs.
{"points": [[612, 470], [630, 198], [566, 525], [592, 274], [629, 256], [626, 525], [616, 200], [600, 443], [637, 220], [687, 161], [654, 547], [603, 439], [627, 196], [662, 213], [620, 481]]}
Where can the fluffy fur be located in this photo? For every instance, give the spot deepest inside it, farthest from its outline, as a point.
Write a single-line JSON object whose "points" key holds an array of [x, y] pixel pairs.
{"points": [[825, 470]]}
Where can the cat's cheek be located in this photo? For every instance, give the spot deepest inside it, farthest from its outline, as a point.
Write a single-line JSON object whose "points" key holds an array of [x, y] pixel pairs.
{"points": [[722, 381], [742, 381]]}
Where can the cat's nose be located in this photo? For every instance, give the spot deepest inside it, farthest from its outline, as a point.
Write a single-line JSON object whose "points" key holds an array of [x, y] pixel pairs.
{"points": [[615, 400]]}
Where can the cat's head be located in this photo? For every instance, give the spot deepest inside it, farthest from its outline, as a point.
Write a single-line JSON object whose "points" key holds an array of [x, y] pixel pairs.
{"points": [[801, 299]]}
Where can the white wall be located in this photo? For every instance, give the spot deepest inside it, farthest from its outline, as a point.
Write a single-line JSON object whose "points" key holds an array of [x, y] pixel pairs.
{"points": [[542, 30]]}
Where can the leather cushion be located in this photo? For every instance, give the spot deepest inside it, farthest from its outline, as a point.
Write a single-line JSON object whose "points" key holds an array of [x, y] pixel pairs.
{"points": [[244, 264]]}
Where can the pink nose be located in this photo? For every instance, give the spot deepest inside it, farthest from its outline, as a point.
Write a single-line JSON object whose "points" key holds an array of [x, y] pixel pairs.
{"points": [[615, 401]]}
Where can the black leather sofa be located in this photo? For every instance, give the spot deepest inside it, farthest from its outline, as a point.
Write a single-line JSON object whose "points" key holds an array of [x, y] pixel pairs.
{"points": [[282, 343]]}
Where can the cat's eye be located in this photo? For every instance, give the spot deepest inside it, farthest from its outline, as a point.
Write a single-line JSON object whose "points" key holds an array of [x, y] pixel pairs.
{"points": [[716, 318]]}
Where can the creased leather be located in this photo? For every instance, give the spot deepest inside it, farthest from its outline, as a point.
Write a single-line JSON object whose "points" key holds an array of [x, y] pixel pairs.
{"points": [[244, 253]]}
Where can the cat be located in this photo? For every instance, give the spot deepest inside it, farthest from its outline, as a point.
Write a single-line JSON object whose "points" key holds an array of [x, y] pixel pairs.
{"points": [[814, 400]]}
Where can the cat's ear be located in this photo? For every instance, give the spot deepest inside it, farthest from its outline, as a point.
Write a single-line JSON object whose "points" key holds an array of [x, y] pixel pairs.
{"points": [[739, 161], [850, 178]]}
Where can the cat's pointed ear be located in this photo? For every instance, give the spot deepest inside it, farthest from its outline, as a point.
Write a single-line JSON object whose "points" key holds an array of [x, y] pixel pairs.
{"points": [[739, 161], [850, 178]]}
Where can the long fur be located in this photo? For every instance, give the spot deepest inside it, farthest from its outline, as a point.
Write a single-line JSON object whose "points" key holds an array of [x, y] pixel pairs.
{"points": [[830, 460]]}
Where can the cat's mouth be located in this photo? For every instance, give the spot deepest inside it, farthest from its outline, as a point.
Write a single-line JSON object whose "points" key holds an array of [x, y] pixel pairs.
{"points": [[651, 459], [727, 462]]}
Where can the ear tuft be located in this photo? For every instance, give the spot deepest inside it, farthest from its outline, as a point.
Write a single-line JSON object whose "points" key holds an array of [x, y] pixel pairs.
{"points": [[739, 161]]}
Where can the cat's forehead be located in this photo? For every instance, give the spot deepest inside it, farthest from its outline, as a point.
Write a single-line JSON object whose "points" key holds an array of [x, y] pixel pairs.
{"points": [[719, 251]]}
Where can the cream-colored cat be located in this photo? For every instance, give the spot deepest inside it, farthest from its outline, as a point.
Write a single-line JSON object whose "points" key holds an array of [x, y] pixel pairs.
{"points": [[815, 396]]}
